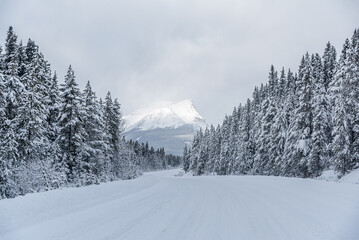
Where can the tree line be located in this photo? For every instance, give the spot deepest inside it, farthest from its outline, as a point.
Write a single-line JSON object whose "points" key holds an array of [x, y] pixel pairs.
{"points": [[297, 124], [54, 135]]}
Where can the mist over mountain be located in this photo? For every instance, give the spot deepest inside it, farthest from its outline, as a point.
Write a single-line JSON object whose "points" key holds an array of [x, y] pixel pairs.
{"points": [[170, 127]]}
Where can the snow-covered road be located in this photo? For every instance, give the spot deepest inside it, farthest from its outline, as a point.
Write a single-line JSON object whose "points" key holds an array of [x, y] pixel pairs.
{"points": [[159, 205]]}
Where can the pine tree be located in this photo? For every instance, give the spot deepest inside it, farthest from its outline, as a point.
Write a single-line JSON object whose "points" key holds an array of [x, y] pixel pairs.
{"points": [[186, 158], [203, 154], [329, 65], [234, 140], [246, 142], [213, 148], [1, 61], [353, 101], [225, 153], [8, 161], [8, 146], [57, 165], [53, 109], [304, 115], [345, 143], [11, 59], [71, 136], [318, 159], [195, 151], [266, 153], [22, 61], [282, 85], [32, 113], [341, 141], [113, 126], [273, 82], [92, 157], [278, 137]]}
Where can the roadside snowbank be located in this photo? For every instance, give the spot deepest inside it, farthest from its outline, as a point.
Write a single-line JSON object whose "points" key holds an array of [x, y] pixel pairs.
{"points": [[332, 176]]}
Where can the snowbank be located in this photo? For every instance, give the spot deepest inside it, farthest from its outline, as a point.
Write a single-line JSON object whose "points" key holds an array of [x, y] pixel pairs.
{"points": [[332, 176]]}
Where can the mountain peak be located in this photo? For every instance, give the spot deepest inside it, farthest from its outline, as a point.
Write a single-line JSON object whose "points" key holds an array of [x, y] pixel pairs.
{"points": [[186, 111], [171, 116], [170, 127]]}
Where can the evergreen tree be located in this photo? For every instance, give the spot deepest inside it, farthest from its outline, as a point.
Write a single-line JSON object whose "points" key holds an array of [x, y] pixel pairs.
{"points": [[11, 60], [92, 158], [8, 146], [304, 115], [186, 158], [246, 142], [318, 159], [32, 115], [113, 126], [213, 148], [225, 153], [71, 136]]}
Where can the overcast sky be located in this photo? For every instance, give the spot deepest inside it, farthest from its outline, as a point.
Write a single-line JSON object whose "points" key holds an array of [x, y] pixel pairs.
{"points": [[155, 51]]}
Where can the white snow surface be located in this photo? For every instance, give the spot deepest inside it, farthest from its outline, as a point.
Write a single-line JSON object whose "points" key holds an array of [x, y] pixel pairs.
{"points": [[171, 116], [352, 177], [167, 205], [332, 176]]}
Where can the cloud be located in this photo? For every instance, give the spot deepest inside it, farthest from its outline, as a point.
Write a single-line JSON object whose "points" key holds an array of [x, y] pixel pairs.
{"points": [[213, 52]]}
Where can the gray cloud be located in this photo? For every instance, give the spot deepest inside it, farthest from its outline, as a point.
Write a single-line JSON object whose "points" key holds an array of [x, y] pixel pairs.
{"points": [[213, 52]]}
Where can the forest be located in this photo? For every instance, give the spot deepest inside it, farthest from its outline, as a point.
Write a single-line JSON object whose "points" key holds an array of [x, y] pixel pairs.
{"points": [[55, 135], [297, 124]]}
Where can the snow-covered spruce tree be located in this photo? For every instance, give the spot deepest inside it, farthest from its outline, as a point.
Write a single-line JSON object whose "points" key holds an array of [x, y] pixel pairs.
{"points": [[288, 107], [22, 62], [341, 132], [92, 155], [282, 86], [113, 127], [195, 150], [116, 130], [58, 168], [8, 147], [53, 109], [202, 154], [234, 140], [213, 148], [112, 139], [32, 127], [319, 155], [330, 65], [304, 118], [107, 151], [72, 132], [278, 139], [273, 82], [127, 159], [353, 74], [12, 90], [186, 158], [222, 165], [1, 61], [246, 141], [266, 151], [345, 133], [11, 59]]}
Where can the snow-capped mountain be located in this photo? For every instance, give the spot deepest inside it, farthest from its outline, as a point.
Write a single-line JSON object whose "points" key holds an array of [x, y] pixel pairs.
{"points": [[169, 127]]}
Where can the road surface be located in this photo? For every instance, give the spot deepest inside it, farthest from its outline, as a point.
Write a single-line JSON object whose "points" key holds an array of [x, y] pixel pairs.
{"points": [[159, 205]]}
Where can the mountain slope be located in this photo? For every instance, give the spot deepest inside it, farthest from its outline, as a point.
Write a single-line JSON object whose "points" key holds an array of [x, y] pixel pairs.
{"points": [[169, 127], [160, 206]]}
